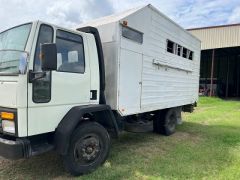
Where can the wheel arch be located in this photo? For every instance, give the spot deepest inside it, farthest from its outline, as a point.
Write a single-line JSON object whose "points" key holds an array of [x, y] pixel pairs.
{"points": [[75, 116]]}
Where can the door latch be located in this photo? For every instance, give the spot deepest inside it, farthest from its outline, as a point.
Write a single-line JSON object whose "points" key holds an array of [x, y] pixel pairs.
{"points": [[93, 94]]}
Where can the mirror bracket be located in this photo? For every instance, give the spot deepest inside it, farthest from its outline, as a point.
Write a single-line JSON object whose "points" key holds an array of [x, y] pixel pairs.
{"points": [[32, 76]]}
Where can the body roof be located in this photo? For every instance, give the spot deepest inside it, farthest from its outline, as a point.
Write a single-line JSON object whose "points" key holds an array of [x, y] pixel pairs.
{"points": [[122, 15]]}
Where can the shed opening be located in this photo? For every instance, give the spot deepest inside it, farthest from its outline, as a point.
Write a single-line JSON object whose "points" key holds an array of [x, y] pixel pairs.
{"points": [[220, 72]]}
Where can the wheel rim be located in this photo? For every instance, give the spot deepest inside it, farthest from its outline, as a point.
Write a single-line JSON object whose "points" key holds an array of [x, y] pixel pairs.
{"points": [[87, 149], [171, 123]]}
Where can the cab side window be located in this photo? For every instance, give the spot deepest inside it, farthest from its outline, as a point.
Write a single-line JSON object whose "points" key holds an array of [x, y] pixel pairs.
{"points": [[70, 51], [42, 87], [45, 36]]}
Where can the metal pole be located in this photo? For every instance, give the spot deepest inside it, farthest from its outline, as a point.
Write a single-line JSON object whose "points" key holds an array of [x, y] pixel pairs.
{"points": [[226, 95], [238, 75], [212, 70]]}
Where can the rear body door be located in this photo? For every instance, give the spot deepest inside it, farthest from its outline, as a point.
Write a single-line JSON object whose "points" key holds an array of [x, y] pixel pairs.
{"points": [[130, 82]]}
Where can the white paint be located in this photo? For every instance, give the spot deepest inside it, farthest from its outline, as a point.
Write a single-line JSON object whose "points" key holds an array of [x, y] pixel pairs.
{"points": [[8, 93], [67, 89], [145, 77], [139, 77], [130, 83]]}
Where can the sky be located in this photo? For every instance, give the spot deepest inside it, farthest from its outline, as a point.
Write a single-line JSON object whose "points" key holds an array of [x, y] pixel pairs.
{"points": [[71, 13]]}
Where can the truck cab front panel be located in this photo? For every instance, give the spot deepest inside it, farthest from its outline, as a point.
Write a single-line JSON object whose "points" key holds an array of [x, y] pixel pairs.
{"points": [[41, 105]]}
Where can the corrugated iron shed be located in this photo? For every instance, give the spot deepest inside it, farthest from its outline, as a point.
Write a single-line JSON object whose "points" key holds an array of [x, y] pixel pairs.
{"points": [[218, 36]]}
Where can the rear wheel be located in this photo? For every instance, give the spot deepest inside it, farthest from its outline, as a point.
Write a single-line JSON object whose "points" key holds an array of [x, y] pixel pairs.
{"points": [[89, 148], [165, 121]]}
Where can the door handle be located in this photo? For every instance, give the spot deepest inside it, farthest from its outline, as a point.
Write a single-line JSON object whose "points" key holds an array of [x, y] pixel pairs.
{"points": [[93, 94]]}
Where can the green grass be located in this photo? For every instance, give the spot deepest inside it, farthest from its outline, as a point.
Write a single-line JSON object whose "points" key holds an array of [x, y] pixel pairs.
{"points": [[206, 146]]}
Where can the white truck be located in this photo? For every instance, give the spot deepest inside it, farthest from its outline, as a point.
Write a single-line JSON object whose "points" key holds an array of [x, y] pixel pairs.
{"points": [[71, 90]]}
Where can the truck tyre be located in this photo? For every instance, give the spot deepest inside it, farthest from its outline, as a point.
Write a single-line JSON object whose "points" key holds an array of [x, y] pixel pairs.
{"points": [[165, 121], [89, 147]]}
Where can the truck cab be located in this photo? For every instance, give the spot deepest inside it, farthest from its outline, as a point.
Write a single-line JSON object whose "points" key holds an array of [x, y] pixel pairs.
{"points": [[39, 96], [34, 101]]}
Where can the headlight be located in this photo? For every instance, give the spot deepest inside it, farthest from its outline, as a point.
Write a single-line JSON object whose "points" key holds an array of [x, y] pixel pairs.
{"points": [[8, 123], [8, 126]]}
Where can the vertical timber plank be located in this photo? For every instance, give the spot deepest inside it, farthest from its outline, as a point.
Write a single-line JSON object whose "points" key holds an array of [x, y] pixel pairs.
{"points": [[228, 64], [212, 71]]}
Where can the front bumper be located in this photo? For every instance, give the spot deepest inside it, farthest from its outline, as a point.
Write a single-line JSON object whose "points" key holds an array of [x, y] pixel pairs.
{"points": [[14, 149]]}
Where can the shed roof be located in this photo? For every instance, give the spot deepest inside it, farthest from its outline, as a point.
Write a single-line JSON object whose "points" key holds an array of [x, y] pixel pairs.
{"points": [[214, 37], [210, 27]]}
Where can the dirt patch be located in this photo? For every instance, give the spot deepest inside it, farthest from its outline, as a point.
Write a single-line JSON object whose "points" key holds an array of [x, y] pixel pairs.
{"points": [[187, 137]]}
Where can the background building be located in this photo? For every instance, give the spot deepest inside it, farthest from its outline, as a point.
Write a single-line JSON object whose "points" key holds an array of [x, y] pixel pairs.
{"points": [[220, 60]]}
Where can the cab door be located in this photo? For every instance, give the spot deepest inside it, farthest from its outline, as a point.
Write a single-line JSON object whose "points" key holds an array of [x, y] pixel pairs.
{"points": [[51, 97]]}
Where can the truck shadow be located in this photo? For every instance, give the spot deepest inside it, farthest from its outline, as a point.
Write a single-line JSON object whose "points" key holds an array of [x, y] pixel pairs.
{"points": [[144, 148]]}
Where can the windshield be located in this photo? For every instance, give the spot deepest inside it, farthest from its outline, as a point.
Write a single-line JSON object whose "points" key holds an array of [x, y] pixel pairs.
{"points": [[12, 46]]}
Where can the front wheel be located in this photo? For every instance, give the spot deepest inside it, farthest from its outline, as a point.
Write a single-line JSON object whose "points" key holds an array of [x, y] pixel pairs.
{"points": [[89, 148]]}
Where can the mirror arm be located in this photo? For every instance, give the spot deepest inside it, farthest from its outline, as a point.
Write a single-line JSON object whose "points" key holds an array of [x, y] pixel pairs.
{"points": [[32, 75]]}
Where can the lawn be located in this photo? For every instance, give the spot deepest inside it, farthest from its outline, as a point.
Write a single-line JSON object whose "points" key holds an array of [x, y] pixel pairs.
{"points": [[206, 146]]}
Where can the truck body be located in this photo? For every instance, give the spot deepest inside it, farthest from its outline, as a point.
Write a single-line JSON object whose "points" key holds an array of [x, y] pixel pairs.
{"points": [[143, 76], [68, 90]]}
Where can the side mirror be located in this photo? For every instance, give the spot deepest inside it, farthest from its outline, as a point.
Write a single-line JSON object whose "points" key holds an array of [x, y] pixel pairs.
{"points": [[48, 56]]}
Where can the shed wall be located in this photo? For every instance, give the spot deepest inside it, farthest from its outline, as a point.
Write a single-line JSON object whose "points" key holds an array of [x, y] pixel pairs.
{"points": [[218, 37]]}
